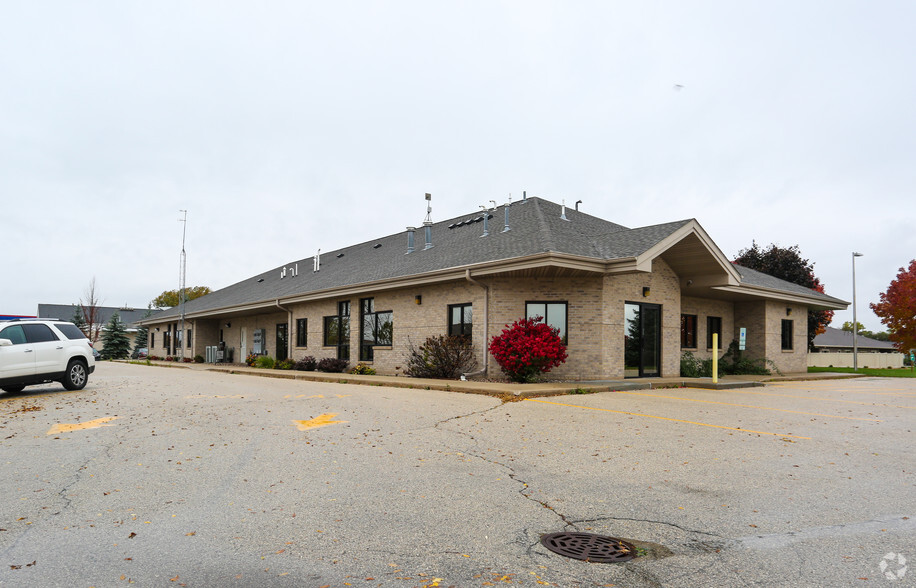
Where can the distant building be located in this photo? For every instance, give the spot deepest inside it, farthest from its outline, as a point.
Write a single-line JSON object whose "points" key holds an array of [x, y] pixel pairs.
{"points": [[66, 312], [834, 348]]}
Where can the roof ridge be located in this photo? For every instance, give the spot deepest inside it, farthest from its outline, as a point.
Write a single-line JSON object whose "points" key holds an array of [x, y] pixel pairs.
{"points": [[550, 244]]}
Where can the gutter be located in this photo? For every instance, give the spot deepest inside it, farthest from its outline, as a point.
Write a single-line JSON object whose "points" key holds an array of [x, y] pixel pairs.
{"points": [[486, 323]]}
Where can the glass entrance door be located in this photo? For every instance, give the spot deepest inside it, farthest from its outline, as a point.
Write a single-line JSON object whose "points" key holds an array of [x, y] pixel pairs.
{"points": [[282, 342], [642, 349]]}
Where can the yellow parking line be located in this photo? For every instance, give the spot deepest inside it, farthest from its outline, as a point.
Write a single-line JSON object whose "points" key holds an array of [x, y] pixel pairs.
{"points": [[650, 416], [830, 416], [820, 399]]}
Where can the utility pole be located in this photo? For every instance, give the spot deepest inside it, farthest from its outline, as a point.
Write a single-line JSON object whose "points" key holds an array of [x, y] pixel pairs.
{"points": [[181, 286]]}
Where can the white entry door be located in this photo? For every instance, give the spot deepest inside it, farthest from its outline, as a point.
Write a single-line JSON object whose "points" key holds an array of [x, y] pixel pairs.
{"points": [[243, 345]]}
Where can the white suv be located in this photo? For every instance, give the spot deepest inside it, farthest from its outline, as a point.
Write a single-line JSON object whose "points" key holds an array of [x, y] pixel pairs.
{"points": [[35, 351]]}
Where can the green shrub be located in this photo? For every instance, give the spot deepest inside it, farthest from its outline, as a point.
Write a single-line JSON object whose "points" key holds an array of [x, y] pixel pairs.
{"points": [[264, 362], [441, 357], [198, 358], [284, 364], [363, 370]]}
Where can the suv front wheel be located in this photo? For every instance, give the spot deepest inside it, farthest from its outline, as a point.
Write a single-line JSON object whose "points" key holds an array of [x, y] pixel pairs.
{"points": [[77, 375]]}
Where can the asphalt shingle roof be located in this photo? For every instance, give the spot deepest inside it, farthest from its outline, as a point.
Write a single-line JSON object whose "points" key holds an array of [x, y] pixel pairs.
{"points": [[832, 337], [535, 226]]}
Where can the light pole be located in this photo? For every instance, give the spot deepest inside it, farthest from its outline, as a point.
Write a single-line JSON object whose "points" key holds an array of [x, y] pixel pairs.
{"points": [[181, 287], [855, 325]]}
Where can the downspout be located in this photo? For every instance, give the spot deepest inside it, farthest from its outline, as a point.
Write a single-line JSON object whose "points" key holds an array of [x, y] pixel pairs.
{"points": [[486, 323], [289, 327]]}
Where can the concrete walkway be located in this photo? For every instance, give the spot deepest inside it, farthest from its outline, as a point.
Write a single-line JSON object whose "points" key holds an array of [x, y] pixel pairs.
{"points": [[509, 390]]}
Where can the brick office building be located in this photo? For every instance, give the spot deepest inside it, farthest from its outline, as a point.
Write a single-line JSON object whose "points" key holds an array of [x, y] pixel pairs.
{"points": [[627, 301]]}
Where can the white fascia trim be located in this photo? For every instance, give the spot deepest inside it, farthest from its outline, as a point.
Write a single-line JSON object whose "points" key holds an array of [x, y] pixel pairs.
{"points": [[771, 294]]}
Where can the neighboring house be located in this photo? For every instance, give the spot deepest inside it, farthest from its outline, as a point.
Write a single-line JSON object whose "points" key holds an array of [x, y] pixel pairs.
{"points": [[834, 348], [129, 316], [628, 302]]}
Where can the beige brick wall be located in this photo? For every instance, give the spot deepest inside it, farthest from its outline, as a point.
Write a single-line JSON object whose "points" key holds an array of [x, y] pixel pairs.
{"points": [[763, 321], [664, 289], [704, 308]]}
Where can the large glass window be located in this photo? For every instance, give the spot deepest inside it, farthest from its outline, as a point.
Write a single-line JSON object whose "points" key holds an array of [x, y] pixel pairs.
{"points": [[552, 313], [302, 332], [713, 325], [460, 320], [337, 330], [689, 331], [787, 329], [376, 328]]}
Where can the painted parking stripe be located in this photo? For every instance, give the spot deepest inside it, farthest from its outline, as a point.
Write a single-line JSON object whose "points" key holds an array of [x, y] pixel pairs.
{"points": [[819, 399], [68, 427], [652, 416], [829, 416], [319, 421]]}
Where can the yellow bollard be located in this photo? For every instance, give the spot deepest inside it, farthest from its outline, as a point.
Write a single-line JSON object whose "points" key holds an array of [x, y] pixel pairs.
{"points": [[715, 358]]}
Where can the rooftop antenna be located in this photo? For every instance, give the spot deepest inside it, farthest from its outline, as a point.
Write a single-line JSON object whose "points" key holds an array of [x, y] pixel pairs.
{"points": [[181, 283], [428, 223], [563, 211], [578, 202]]}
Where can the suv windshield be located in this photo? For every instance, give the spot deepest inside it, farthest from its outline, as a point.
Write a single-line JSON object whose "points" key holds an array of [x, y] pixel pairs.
{"points": [[70, 330]]}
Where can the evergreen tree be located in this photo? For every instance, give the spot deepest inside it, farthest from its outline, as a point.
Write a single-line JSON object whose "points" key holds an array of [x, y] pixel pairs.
{"points": [[115, 340], [142, 334], [80, 321]]}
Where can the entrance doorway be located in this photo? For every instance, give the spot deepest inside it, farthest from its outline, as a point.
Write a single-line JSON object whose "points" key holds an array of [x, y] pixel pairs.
{"points": [[282, 341], [642, 348]]}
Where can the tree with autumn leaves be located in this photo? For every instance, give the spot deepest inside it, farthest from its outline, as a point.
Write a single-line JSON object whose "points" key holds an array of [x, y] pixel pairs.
{"points": [[897, 308], [786, 263]]}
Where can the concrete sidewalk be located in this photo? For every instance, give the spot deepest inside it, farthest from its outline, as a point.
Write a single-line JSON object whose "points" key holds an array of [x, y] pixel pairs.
{"points": [[508, 389]]}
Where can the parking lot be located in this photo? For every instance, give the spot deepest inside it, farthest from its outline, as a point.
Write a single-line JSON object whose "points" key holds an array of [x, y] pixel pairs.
{"points": [[166, 477]]}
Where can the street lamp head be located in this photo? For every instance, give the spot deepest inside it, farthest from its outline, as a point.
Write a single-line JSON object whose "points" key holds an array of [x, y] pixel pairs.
{"points": [[856, 254]]}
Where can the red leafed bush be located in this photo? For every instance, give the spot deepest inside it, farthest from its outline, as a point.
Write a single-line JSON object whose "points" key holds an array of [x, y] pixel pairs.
{"points": [[527, 348]]}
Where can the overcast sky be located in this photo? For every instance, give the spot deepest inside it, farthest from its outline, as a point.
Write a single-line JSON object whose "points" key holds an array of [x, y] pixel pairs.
{"points": [[285, 127]]}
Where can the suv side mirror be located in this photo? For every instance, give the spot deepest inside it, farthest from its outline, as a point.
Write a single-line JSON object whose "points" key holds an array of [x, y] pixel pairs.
{"points": [[5, 342]]}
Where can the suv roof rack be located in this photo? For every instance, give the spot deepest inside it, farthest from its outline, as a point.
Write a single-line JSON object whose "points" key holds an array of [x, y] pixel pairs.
{"points": [[31, 318]]}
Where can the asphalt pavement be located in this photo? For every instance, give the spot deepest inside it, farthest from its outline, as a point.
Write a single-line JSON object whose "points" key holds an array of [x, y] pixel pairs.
{"points": [[170, 477]]}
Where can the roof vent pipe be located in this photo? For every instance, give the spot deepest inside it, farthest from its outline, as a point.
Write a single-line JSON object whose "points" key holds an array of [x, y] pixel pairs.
{"points": [[316, 263], [486, 214], [563, 211], [428, 225], [578, 202], [506, 224], [524, 195], [411, 232]]}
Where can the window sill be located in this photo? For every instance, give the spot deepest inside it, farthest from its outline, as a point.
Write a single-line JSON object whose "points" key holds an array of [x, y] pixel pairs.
{"points": [[383, 347]]}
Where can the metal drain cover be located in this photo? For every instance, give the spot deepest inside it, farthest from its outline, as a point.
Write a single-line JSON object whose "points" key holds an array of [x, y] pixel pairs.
{"points": [[589, 547]]}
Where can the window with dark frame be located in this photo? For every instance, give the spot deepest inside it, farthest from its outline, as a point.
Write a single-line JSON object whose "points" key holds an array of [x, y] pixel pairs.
{"points": [[460, 320], [152, 340], [375, 329], [552, 313], [787, 338], [713, 325], [337, 330], [688, 331], [189, 338], [302, 332]]}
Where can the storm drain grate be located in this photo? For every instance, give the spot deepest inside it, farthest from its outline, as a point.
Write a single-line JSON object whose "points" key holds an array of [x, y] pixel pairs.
{"points": [[589, 547]]}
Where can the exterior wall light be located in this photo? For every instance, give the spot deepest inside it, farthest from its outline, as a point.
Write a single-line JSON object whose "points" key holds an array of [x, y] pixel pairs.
{"points": [[418, 299], [645, 292], [788, 311], [228, 325]]}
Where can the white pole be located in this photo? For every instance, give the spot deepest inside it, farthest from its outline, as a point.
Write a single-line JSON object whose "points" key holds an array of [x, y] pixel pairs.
{"points": [[181, 286], [855, 325]]}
